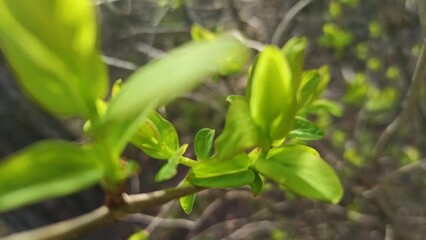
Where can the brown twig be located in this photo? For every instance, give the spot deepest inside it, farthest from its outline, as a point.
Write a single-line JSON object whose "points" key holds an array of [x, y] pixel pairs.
{"points": [[74, 227]]}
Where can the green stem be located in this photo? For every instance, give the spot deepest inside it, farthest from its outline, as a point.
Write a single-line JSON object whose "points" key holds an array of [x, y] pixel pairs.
{"points": [[187, 161]]}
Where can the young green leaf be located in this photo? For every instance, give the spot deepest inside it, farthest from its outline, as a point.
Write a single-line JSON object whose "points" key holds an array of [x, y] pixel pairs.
{"points": [[300, 169], [140, 235], [294, 52], [198, 33], [324, 105], [222, 173], [239, 133], [257, 185], [156, 137], [169, 169], [325, 77], [308, 86], [272, 94], [305, 130], [59, 66], [47, 169], [203, 143], [187, 202], [161, 81]]}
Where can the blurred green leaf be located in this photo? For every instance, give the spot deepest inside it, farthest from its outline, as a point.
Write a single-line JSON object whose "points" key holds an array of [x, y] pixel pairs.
{"points": [[325, 76], [52, 46], [321, 106], [47, 169], [357, 90], [187, 202], [300, 169], [203, 143], [156, 137], [375, 28], [374, 64], [306, 130], [239, 133], [222, 173], [169, 169], [161, 81], [116, 88], [198, 33], [335, 37], [140, 235]]}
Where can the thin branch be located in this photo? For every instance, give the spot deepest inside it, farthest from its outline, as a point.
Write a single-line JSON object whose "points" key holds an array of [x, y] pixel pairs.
{"points": [[118, 63], [408, 107], [283, 25], [162, 222], [74, 227]]}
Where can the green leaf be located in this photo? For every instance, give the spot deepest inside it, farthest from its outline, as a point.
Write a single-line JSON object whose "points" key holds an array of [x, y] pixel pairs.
{"points": [[239, 133], [306, 130], [52, 46], [203, 143], [301, 170], [140, 235], [47, 169], [257, 185], [294, 52], [220, 173], [272, 94], [169, 169], [325, 77], [230, 180], [156, 137], [188, 201], [198, 33], [161, 81], [310, 80], [116, 88], [324, 105]]}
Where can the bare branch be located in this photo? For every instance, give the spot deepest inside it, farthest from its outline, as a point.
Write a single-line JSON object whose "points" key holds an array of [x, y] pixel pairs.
{"points": [[74, 227], [162, 222], [408, 107], [283, 25]]}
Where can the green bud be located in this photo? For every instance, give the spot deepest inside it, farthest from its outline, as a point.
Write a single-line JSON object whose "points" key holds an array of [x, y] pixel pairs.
{"points": [[272, 94]]}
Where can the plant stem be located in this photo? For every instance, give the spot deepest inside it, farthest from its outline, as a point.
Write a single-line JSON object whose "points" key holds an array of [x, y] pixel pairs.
{"points": [[74, 227], [187, 161]]}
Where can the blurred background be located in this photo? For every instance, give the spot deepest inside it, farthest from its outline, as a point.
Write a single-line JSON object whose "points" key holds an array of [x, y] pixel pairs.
{"points": [[371, 47]]}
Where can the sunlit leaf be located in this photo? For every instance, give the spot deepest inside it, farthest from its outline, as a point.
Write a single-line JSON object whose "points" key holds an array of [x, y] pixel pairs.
{"points": [[222, 173], [47, 169], [309, 84], [52, 46], [301, 170], [294, 52], [272, 94], [239, 133], [306, 130], [156, 137]]}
